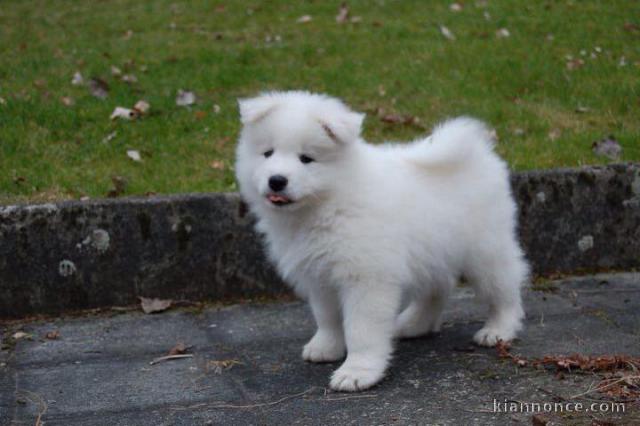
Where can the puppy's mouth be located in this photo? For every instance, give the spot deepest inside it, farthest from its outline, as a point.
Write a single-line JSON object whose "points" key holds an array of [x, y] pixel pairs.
{"points": [[279, 199]]}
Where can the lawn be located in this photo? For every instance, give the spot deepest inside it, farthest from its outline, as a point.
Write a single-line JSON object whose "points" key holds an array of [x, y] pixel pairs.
{"points": [[550, 76]]}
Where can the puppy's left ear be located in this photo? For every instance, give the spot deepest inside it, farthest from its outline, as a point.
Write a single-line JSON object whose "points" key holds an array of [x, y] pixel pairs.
{"points": [[255, 109], [344, 128]]}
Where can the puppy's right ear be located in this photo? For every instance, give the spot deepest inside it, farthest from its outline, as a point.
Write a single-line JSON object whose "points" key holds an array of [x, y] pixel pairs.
{"points": [[255, 109]]}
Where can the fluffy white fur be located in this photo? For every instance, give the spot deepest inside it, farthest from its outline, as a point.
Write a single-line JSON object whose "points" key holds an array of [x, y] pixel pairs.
{"points": [[375, 237]]}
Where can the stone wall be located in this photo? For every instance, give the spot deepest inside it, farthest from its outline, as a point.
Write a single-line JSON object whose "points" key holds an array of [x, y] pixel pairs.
{"points": [[73, 255]]}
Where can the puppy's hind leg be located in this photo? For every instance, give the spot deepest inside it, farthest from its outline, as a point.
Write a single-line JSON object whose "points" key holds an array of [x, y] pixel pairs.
{"points": [[327, 344], [497, 279], [423, 315]]}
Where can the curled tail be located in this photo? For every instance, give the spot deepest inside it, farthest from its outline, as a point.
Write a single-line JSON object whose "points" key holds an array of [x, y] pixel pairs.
{"points": [[453, 143]]}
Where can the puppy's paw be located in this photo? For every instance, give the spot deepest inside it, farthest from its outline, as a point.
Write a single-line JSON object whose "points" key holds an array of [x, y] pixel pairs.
{"points": [[351, 378], [324, 347], [489, 336]]}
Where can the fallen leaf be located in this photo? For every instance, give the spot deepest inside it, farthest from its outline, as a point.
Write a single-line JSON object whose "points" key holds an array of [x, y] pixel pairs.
{"points": [[219, 365], [178, 349], [77, 79], [355, 19], [128, 34], [216, 109], [152, 305], [119, 186], [343, 13], [129, 78], [573, 64], [185, 98], [99, 88], [124, 113], [200, 114], [134, 155], [607, 147], [539, 420], [115, 71], [503, 33], [631, 27], [217, 164], [52, 335], [519, 131], [400, 119], [141, 107], [110, 137], [67, 101], [3, 101], [20, 335], [446, 32], [304, 19], [581, 109], [554, 134], [455, 7]]}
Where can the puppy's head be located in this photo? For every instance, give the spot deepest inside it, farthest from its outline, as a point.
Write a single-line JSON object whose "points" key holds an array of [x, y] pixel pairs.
{"points": [[291, 147]]}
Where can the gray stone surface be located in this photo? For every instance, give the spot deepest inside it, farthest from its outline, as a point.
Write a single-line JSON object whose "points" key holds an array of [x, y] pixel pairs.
{"points": [[75, 255], [97, 372]]}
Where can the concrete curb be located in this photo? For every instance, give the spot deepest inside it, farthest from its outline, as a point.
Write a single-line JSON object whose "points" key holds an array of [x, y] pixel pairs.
{"points": [[75, 255]]}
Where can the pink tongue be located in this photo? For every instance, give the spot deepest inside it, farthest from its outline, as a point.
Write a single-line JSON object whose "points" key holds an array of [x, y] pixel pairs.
{"points": [[277, 198]]}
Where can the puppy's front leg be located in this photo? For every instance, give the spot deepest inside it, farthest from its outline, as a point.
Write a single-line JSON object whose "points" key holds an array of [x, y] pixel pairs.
{"points": [[369, 312], [328, 343]]}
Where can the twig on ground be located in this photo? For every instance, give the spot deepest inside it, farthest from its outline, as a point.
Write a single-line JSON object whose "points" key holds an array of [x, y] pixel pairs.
{"points": [[608, 385], [259, 405], [169, 357], [35, 398], [343, 398]]}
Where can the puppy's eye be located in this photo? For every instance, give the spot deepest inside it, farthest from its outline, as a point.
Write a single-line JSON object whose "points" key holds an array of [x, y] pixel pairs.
{"points": [[305, 159], [268, 154]]}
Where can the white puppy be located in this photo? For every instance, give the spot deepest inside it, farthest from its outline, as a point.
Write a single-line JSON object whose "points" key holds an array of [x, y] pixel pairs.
{"points": [[357, 229]]}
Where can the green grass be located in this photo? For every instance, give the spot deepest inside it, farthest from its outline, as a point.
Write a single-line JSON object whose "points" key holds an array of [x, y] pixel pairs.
{"points": [[220, 50]]}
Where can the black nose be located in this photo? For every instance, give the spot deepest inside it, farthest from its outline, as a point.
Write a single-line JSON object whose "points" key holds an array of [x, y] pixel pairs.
{"points": [[277, 182]]}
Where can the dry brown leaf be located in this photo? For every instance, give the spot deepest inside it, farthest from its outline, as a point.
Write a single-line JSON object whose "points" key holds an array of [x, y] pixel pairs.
{"points": [[129, 78], [503, 33], [115, 71], [67, 101], [200, 115], [119, 186], [20, 335], [77, 79], [134, 155], [219, 365], [607, 147], [574, 63], [178, 349], [554, 134], [217, 164], [539, 420], [141, 107], [99, 88], [185, 98], [152, 305], [446, 32], [52, 335], [343, 13]]}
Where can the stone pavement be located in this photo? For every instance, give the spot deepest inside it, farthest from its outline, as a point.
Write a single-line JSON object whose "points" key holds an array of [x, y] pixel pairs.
{"points": [[247, 369]]}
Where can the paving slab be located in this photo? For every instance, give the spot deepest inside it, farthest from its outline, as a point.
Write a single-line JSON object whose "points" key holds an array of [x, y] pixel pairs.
{"points": [[246, 367]]}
